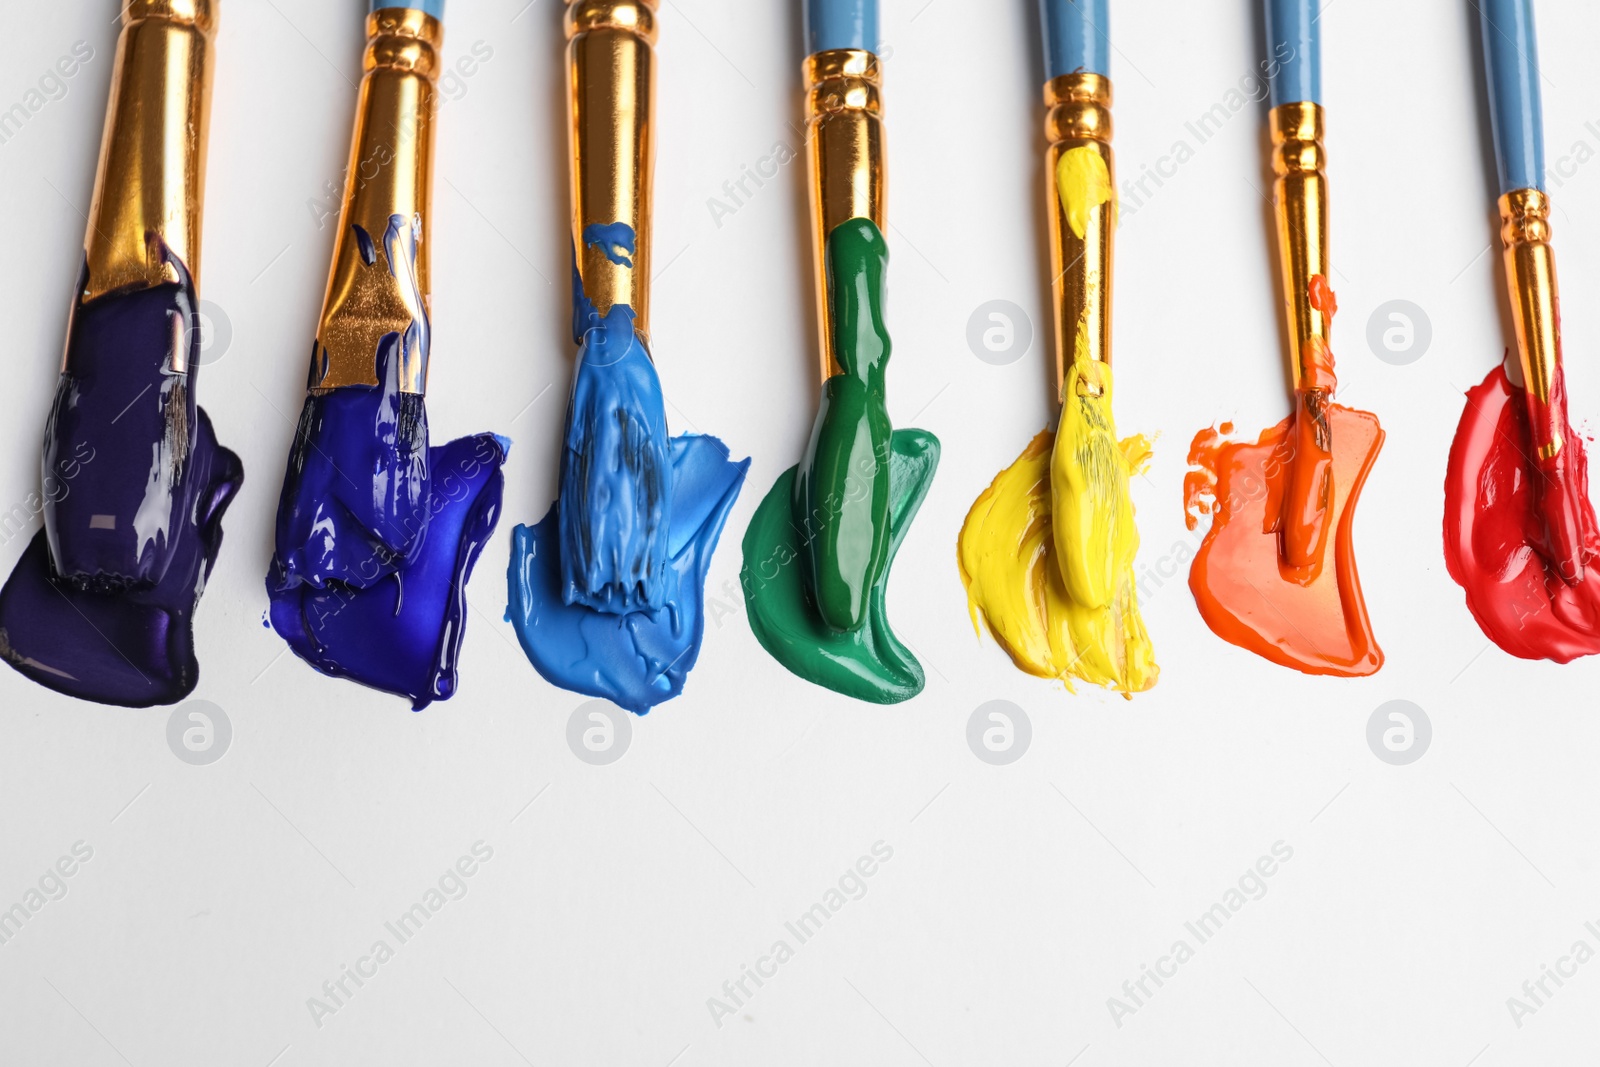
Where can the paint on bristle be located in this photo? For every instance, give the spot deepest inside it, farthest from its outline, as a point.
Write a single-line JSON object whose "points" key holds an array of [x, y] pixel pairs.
{"points": [[101, 605], [1303, 522], [616, 474], [1009, 557], [1496, 534], [841, 488], [640, 659], [1095, 536]]}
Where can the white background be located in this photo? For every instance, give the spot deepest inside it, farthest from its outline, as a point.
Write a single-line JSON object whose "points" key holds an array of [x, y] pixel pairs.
{"points": [[1019, 898]]}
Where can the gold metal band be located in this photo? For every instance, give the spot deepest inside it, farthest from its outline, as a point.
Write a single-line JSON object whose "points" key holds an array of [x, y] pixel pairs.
{"points": [[1300, 196], [151, 178], [390, 173], [1535, 297], [1079, 116], [611, 56], [848, 162]]}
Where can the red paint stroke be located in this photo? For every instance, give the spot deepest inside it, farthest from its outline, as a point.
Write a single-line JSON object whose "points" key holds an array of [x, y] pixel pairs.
{"points": [[1312, 618], [1498, 541]]}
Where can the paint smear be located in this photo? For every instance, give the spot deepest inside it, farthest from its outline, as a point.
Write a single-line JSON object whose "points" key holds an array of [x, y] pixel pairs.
{"points": [[1313, 619], [1497, 541], [377, 532], [1010, 564], [101, 605], [607, 591], [615, 467], [1083, 182], [869, 663], [642, 658]]}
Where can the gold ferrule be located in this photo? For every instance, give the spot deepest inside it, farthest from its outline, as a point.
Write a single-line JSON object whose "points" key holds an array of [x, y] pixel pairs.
{"points": [[1078, 116], [845, 153], [1531, 284], [611, 55], [1300, 197], [149, 191], [389, 176]]}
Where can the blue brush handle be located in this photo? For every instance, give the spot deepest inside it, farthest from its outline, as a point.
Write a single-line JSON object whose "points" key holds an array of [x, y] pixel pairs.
{"points": [[1077, 37], [1294, 43], [834, 24], [1511, 60], [431, 7]]}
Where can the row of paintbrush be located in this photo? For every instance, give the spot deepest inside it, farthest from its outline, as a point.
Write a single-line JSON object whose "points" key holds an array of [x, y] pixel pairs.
{"points": [[378, 530]]}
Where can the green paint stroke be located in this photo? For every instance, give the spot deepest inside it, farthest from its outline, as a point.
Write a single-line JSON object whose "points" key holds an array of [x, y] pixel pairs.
{"points": [[841, 493], [817, 553], [869, 663]]}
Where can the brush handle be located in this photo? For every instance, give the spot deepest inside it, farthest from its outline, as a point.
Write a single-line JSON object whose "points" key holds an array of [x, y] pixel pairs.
{"points": [[836, 24], [1511, 62], [429, 7], [379, 282], [1077, 37], [1294, 45], [611, 59], [151, 177]]}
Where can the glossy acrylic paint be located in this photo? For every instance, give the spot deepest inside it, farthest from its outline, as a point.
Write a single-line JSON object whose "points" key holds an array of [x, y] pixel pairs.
{"points": [[1311, 618], [817, 554], [1010, 560], [1498, 544], [641, 658], [377, 532], [868, 663], [607, 592], [616, 468], [101, 605]]}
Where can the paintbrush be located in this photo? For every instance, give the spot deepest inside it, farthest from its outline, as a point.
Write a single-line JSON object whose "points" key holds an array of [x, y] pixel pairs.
{"points": [[142, 254], [818, 551], [616, 476], [841, 488], [1300, 201], [1092, 512], [134, 482], [358, 482], [377, 530], [1511, 61]]}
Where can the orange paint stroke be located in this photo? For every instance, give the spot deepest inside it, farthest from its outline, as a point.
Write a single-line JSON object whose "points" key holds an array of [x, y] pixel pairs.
{"points": [[1305, 517], [1313, 619]]}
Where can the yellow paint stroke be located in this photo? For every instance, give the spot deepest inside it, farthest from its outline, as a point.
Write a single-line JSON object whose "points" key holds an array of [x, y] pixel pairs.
{"points": [[1094, 532], [1084, 183], [1010, 566]]}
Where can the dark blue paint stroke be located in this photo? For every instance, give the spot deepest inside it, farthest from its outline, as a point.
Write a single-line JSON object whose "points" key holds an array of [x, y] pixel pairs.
{"points": [[610, 237], [397, 623], [638, 659], [615, 467], [101, 605], [377, 532]]}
